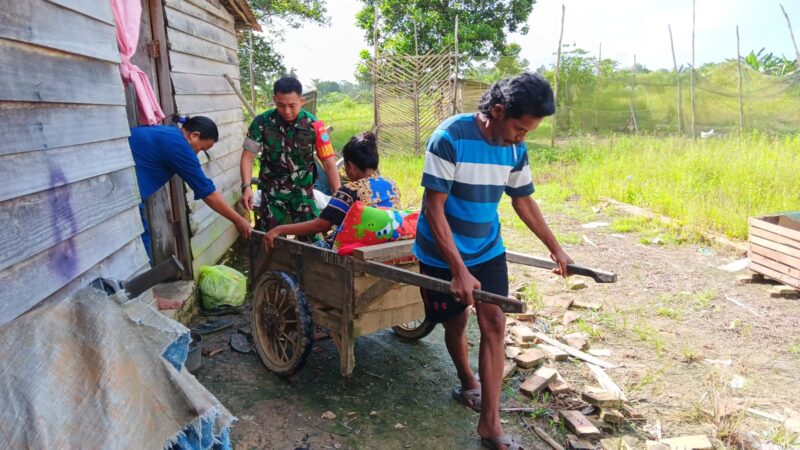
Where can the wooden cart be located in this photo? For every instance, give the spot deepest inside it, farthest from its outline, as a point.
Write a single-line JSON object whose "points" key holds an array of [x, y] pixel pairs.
{"points": [[297, 286]]}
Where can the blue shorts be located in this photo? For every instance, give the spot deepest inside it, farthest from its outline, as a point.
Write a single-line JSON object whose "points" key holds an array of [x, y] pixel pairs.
{"points": [[439, 307]]}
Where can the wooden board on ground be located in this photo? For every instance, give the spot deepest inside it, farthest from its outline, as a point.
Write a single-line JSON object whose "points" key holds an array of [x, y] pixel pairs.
{"points": [[554, 353], [530, 358], [538, 381], [603, 399], [775, 247], [574, 351], [579, 424]]}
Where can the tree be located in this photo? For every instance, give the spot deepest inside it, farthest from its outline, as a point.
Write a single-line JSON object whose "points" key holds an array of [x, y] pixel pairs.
{"points": [[483, 25], [268, 62], [507, 64], [769, 64], [326, 87]]}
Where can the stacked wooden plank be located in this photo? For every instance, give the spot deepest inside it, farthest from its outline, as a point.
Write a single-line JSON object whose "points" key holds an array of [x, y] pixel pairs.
{"points": [[775, 247]]}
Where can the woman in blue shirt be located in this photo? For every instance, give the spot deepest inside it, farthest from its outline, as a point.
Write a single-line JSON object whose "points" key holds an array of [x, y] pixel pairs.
{"points": [[161, 151]]}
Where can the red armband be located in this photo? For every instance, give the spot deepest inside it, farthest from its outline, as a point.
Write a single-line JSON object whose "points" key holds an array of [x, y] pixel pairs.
{"points": [[324, 146]]}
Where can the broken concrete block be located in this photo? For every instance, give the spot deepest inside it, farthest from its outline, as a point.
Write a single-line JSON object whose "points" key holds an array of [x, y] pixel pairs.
{"points": [[632, 414], [569, 317], [612, 416], [554, 353], [653, 445], [575, 284], [573, 443], [512, 351], [614, 444], [530, 358], [586, 305], [579, 424], [509, 367], [576, 340], [603, 399], [559, 385], [696, 442], [538, 381], [526, 317], [522, 332], [555, 302]]}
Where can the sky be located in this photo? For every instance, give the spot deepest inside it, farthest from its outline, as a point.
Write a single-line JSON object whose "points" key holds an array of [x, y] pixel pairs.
{"points": [[624, 27]]}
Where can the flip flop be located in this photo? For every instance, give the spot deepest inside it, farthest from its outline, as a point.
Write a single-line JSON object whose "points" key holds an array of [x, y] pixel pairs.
{"points": [[469, 397], [240, 343], [495, 443], [212, 326]]}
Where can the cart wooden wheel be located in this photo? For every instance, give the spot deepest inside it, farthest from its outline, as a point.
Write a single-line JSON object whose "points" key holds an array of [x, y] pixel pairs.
{"points": [[416, 329], [281, 323]]}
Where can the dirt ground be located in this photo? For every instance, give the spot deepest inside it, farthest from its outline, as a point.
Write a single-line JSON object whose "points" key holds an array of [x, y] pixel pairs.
{"points": [[683, 332]]}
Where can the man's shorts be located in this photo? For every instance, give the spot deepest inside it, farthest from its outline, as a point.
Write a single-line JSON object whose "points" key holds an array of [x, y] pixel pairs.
{"points": [[439, 307]]}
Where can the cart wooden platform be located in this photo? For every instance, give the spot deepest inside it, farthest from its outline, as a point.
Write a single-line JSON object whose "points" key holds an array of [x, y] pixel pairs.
{"points": [[297, 286]]}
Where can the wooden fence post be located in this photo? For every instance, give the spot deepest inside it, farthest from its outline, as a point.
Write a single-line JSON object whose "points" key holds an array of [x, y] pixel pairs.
{"points": [[694, 110], [633, 97], [677, 82], [597, 91], [791, 34], [558, 66], [741, 100]]}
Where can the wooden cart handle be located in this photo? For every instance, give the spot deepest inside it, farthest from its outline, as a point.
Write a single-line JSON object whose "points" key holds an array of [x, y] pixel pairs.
{"points": [[508, 305], [599, 276]]}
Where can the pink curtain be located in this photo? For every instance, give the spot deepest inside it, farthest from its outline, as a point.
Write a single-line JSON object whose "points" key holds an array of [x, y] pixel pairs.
{"points": [[128, 16]]}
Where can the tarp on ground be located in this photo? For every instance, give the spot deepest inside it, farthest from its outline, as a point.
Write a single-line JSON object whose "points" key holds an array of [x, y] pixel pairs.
{"points": [[91, 372]]}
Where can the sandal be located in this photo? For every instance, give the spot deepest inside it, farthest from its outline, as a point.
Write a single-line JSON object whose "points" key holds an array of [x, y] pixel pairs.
{"points": [[495, 443], [469, 397], [212, 326]]}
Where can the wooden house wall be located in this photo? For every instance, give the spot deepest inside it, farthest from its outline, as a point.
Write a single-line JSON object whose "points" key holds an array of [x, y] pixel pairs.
{"points": [[202, 49], [68, 196]]}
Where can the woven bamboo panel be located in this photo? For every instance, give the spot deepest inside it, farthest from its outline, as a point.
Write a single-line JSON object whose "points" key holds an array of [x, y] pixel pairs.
{"points": [[413, 95]]}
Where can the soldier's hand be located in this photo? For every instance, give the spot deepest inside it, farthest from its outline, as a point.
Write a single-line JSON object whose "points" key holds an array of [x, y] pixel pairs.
{"points": [[247, 198]]}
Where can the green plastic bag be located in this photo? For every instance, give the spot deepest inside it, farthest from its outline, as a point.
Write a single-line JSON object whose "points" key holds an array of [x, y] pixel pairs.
{"points": [[221, 285]]}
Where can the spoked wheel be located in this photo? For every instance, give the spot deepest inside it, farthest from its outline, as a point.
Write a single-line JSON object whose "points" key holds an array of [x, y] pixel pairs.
{"points": [[416, 329], [281, 323]]}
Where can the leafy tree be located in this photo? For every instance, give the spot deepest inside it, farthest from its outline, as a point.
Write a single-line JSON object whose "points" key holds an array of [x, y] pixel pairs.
{"points": [[507, 64], [769, 64], [483, 26], [326, 87]]}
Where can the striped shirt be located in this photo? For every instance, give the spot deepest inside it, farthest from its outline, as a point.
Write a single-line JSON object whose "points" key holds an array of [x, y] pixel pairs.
{"points": [[474, 173]]}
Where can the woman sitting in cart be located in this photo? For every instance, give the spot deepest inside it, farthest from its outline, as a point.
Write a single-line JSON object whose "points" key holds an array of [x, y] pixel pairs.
{"points": [[361, 166]]}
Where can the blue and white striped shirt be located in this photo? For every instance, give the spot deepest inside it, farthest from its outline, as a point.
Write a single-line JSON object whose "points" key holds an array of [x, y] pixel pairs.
{"points": [[474, 173]]}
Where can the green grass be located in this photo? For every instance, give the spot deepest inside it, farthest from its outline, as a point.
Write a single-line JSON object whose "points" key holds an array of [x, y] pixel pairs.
{"points": [[794, 347], [713, 184]]}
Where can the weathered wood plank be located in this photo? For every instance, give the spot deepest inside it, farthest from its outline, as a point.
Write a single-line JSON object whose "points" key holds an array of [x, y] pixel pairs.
{"points": [[214, 7], [36, 222], [185, 63], [202, 218], [38, 126], [401, 295], [574, 351], [26, 173], [191, 103], [774, 237], [385, 252], [228, 178], [214, 252], [191, 83], [33, 21], [191, 45], [96, 9], [206, 236], [775, 274], [222, 19], [30, 281], [756, 241], [222, 117], [373, 321], [776, 256], [178, 20], [775, 265], [759, 222], [41, 75]]}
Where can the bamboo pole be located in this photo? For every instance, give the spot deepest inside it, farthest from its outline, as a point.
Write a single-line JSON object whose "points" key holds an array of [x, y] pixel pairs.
{"points": [[694, 109], [597, 91], [250, 69], [558, 67], [677, 82], [375, 102], [741, 100], [455, 75], [791, 34], [633, 97]]}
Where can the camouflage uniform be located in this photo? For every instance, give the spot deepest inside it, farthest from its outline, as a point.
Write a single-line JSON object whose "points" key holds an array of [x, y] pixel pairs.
{"points": [[286, 179]]}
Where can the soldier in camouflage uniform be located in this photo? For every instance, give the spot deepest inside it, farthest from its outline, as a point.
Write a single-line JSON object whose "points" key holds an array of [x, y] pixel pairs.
{"points": [[287, 138]]}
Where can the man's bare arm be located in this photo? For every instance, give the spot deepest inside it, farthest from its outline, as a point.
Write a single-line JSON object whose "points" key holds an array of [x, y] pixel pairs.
{"points": [[527, 210]]}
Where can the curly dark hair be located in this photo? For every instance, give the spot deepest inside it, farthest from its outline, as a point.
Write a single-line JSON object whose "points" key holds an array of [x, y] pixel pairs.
{"points": [[362, 150], [526, 94]]}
